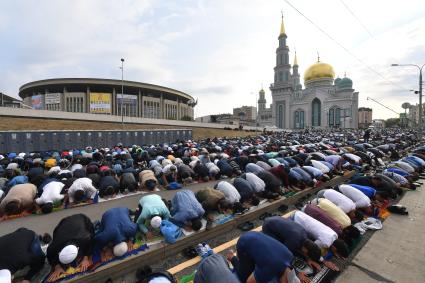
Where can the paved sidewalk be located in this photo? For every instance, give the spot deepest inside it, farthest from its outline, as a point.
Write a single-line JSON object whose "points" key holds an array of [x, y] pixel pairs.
{"points": [[397, 252]]}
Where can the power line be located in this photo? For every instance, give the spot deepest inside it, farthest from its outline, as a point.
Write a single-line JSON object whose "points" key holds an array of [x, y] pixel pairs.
{"points": [[344, 48], [357, 18]]}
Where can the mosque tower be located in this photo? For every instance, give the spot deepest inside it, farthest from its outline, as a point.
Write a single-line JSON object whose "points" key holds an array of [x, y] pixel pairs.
{"points": [[296, 74], [283, 85], [262, 100], [283, 68]]}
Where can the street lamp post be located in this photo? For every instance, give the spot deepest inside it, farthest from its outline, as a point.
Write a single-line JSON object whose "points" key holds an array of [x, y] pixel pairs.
{"points": [[122, 92], [420, 93]]}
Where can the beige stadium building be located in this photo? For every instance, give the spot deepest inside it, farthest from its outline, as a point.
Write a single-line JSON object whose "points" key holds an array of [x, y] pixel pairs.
{"points": [[104, 96]]}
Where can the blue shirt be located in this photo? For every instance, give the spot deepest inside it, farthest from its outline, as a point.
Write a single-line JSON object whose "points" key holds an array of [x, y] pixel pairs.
{"points": [[286, 231], [170, 231], [17, 180], [398, 171], [368, 191], [116, 227], [269, 256], [295, 175], [305, 176], [316, 173], [245, 189], [185, 207]]}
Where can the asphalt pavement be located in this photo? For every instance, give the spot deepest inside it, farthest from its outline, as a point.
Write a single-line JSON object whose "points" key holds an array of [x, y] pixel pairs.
{"points": [[46, 223], [397, 252]]}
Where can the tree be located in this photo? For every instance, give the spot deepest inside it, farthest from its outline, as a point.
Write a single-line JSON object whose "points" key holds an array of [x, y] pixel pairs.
{"points": [[392, 122], [186, 118]]}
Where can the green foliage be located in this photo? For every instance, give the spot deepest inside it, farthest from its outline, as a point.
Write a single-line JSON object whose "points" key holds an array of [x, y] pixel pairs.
{"points": [[392, 122], [186, 118]]}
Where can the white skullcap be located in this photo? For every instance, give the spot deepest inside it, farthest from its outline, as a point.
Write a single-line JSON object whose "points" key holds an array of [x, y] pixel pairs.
{"points": [[160, 279], [5, 276], [120, 249], [1, 157], [156, 222], [22, 154], [68, 254]]}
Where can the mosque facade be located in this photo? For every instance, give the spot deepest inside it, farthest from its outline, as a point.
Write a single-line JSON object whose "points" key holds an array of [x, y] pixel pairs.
{"points": [[324, 102]]}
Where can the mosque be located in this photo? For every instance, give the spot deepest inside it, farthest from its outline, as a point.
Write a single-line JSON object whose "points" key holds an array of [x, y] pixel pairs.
{"points": [[325, 102]]}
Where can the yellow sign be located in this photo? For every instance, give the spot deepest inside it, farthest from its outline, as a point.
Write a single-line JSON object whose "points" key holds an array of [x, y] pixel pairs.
{"points": [[100, 102]]}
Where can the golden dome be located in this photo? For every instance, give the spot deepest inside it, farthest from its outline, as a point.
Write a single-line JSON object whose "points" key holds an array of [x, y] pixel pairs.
{"points": [[319, 70]]}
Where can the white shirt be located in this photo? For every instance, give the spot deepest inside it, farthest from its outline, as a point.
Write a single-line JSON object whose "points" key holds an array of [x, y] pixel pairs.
{"points": [[84, 184], [353, 157], [54, 169], [76, 167], [322, 167], [323, 235], [212, 168], [51, 193], [193, 163], [405, 166], [256, 182], [360, 199], [229, 191], [167, 169], [340, 200]]}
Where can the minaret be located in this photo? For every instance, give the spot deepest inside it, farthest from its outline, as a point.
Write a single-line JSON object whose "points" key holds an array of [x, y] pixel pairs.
{"points": [[295, 74], [282, 69], [261, 100]]}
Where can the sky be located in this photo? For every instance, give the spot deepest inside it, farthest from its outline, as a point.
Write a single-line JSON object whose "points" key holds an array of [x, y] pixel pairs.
{"points": [[221, 52]]}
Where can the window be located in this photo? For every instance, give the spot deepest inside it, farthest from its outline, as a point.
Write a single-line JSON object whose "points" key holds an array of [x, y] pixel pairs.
{"points": [[337, 117], [299, 119], [280, 76], [331, 117], [286, 76], [316, 109]]}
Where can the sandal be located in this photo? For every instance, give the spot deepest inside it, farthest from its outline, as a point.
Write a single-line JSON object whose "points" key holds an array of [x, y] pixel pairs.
{"points": [[246, 226], [190, 252], [282, 208]]}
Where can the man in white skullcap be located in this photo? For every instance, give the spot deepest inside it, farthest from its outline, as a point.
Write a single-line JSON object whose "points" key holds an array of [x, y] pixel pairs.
{"points": [[73, 239], [116, 231], [5, 276]]}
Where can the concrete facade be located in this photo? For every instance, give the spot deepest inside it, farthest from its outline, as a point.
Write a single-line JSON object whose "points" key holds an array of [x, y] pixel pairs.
{"points": [[139, 99], [365, 117], [248, 113]]}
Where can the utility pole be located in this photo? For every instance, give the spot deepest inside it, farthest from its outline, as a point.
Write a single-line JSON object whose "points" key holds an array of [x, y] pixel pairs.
{"points": [[420, 94]]}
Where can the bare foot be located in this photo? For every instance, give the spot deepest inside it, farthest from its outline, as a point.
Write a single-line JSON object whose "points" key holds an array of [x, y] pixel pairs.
{"points": [[230, 254]]}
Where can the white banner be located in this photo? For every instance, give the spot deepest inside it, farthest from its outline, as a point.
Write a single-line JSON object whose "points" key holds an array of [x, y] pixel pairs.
{"points": [[52, 98]]}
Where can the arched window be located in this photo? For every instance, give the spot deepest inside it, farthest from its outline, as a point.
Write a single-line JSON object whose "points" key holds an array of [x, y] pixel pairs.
{"points": [[280, 76], [280, 116], [315, 111], [286, 58]]}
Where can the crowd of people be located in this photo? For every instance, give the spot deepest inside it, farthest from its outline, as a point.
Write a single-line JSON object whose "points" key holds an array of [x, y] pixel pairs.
{"points": [[247, 170]]}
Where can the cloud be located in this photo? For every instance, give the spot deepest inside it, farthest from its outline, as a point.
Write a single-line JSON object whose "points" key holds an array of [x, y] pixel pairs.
{"points": [[221, 52]]}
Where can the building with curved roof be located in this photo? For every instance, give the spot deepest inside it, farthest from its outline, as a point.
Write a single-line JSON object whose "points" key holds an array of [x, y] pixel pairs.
{"points": [[107, 96], [324, 101]]}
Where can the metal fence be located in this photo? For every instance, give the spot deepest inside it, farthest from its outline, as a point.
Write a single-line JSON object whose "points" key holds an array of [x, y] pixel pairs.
{"points": [[28, 141]]}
